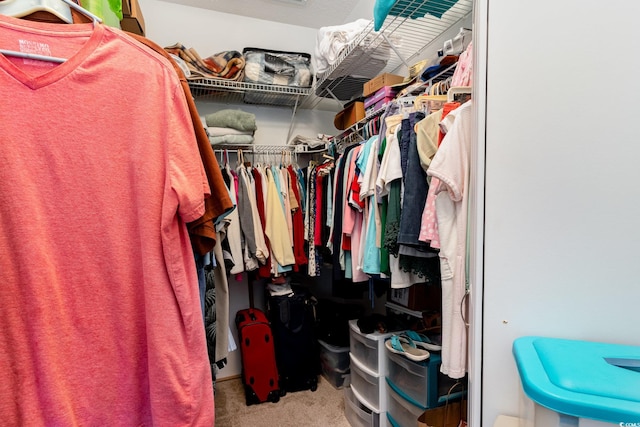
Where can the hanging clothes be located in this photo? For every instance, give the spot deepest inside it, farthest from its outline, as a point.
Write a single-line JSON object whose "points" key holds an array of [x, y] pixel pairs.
{"points": [[371, 253], [276, 223], [112, 312], [427, 131], [234, 235], [313, 267], [264, 271], [451, 166], [298, 223], [245, 213], [352, 221], [222, 303], [261, 251]]}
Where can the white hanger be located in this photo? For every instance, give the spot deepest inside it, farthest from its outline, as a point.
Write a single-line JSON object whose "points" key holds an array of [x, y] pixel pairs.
{"points": [[21, 8], [59, 8], [453, 91]]}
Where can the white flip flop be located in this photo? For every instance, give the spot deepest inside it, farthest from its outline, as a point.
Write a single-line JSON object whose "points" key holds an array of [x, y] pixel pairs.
{"points": [[422, 341], [406, 347]]}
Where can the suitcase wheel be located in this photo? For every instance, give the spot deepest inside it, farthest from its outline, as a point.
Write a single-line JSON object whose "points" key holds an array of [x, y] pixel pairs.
{"points": [[274, 396], [250, 396]]}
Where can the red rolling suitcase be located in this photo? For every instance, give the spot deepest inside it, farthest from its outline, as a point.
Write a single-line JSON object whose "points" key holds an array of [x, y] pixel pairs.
{"points": [[259, 370]]}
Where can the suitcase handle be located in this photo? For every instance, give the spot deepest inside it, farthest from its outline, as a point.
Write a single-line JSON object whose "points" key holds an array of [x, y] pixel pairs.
{"points": [[285, 317]]}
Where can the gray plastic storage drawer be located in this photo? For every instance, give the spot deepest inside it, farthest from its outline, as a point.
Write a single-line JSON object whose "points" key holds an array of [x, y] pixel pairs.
{"points": [[401, 412], [364, 349], [366, 384], [358, 414]]}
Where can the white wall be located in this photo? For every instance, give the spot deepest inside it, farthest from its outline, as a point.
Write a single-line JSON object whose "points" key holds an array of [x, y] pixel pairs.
{"points": [[562, 181], [273, 122], [210, 32]]}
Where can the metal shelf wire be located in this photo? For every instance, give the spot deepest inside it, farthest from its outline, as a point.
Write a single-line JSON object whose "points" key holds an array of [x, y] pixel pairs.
{"points": [[352, 135], [407, 37], [253, 93]]}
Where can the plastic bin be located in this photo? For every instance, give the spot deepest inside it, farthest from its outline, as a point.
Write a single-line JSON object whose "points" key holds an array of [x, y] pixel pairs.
{"points": [[336, 358], [420, 382], [401, 412], [578, 383], [363, 348], [358, 414], [366, 384], [334, 363], [336, 378]]}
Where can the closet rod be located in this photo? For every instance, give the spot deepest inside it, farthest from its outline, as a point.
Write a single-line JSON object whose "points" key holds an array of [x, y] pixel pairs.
{"points": [[268, 149], [275, 149]]}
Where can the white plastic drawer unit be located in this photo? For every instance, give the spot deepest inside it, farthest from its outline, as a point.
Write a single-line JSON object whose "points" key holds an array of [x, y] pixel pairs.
{"points": [[420, 383], [363, 348], [365, 384], [358, 414], [415, 381], [401, 412]]}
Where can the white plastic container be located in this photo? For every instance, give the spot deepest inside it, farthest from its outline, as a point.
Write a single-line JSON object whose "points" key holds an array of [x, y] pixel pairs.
{"points": [[366, 384], [578, 383], [334, 362], [358, 414], [364, 347], [401, 412]]}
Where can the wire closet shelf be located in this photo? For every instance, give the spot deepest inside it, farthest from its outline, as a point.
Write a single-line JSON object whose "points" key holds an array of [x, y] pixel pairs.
{"points": [[234, 91], [407, 38], [404, 37]]}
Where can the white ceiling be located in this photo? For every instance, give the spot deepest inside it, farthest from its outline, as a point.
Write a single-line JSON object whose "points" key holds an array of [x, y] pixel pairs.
{"points": [[309, 13]]}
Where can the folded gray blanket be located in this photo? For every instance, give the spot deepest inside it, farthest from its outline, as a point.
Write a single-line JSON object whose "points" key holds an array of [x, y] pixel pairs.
{"points": [[231, 139], [215, 131], [236, 119]]}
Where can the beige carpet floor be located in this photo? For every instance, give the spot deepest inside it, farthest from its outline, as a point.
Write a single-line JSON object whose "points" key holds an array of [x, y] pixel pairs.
{"points": [[322, 408]]}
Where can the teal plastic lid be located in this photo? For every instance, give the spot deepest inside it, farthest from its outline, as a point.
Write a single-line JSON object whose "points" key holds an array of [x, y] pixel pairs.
{"points": [[584, 379]]}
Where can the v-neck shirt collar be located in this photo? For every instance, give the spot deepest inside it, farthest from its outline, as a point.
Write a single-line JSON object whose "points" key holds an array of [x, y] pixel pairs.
{"points": [[60, 31]]}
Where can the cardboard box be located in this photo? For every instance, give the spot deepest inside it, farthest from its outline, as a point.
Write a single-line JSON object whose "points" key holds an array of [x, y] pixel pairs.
{"points": [[380, 81], [384, 94], [351, 114], [126, 7], [133, 22]]}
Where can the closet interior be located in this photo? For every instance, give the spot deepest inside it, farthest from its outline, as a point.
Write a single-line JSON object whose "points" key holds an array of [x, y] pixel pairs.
{"points": [[326, 188]]}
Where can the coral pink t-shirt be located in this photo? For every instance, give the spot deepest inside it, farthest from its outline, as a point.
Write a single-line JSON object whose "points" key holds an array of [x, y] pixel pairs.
{"points": [[99, 316]]}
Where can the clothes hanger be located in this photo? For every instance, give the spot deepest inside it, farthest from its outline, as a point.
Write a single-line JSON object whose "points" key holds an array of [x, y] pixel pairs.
{"points": [[22, 8], [455, 91], [58, 8]]}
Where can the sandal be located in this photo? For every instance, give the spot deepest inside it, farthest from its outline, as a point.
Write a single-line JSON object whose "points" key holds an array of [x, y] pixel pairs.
{"points": [[405, 346], [423, 341]]}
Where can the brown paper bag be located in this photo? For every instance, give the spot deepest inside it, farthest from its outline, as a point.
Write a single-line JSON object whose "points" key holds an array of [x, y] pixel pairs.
{"points": [[452, 414]]}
